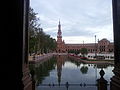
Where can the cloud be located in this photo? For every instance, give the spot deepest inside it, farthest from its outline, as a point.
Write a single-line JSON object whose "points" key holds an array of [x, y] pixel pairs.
{"points": [[79, 18]]}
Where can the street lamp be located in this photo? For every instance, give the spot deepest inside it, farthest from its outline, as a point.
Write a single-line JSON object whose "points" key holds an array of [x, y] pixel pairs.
{"points": [[95, 48], [83, 44], [95, 57]]}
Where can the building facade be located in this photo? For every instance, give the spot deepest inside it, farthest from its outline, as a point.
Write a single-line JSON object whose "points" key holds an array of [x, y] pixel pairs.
{"points": [[102, 46]]}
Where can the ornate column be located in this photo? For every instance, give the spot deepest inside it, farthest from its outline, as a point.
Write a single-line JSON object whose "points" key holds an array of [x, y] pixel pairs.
{"points": [[115, 80]]}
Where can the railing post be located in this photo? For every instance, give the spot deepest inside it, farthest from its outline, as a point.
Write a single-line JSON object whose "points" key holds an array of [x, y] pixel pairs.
{"points": [[102, 83]]}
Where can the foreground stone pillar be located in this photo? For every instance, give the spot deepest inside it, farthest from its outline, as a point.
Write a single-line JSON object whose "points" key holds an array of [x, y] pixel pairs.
{"points": [[15, 67], [27, 82], [115, 80]]}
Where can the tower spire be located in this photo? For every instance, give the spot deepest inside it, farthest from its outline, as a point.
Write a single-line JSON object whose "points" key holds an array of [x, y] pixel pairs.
{"points": [[59, 29], [59, 21], [59, 33]]}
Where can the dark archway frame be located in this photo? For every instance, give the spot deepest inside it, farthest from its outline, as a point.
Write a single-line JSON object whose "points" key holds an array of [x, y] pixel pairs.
{"points": [[115, 80], [18, 23]]}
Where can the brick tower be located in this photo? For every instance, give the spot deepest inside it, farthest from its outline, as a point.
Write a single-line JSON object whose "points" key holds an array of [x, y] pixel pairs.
{"points": [[60, 43]]}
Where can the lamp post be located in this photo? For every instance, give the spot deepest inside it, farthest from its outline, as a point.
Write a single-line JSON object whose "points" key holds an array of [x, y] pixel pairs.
{"points": [[83, 44], [95, 58], [95, 48]]}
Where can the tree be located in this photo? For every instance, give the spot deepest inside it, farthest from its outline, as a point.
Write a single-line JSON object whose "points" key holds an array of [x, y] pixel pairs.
{"points": [[71, 51], [39, 42], [83, 51], [32, 30], [77, 52]]}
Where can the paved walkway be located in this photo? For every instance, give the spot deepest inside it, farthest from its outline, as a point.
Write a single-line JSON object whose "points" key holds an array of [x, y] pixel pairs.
{"points": [[38, 58]]}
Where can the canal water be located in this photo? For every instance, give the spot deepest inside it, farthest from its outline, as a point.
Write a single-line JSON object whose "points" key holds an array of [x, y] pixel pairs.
{"points": [[55, 72]]}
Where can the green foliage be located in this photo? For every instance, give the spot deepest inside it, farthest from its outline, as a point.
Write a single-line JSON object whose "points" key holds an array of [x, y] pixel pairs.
{"points": [[83, 51], [74, 51], [77, 52], [39, 42], [43, 70], [71, 51]]}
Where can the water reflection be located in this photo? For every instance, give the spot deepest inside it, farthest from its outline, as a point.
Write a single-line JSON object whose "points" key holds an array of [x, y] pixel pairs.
{"points": [[84, 69], [60, 69], [43, 70], [60, 62]]}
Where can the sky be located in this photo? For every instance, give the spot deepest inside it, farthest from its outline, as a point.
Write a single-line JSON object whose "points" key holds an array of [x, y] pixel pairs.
{"points": [[80, 20]]}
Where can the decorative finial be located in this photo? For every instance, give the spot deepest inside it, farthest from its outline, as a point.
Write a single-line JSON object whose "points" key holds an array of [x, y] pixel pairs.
{"points": [[102, 72]]}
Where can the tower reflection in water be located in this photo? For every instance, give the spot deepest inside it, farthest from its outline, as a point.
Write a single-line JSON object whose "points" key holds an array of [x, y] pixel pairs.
{"points": [[60, 63], [63, 72], [101, 82]]}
